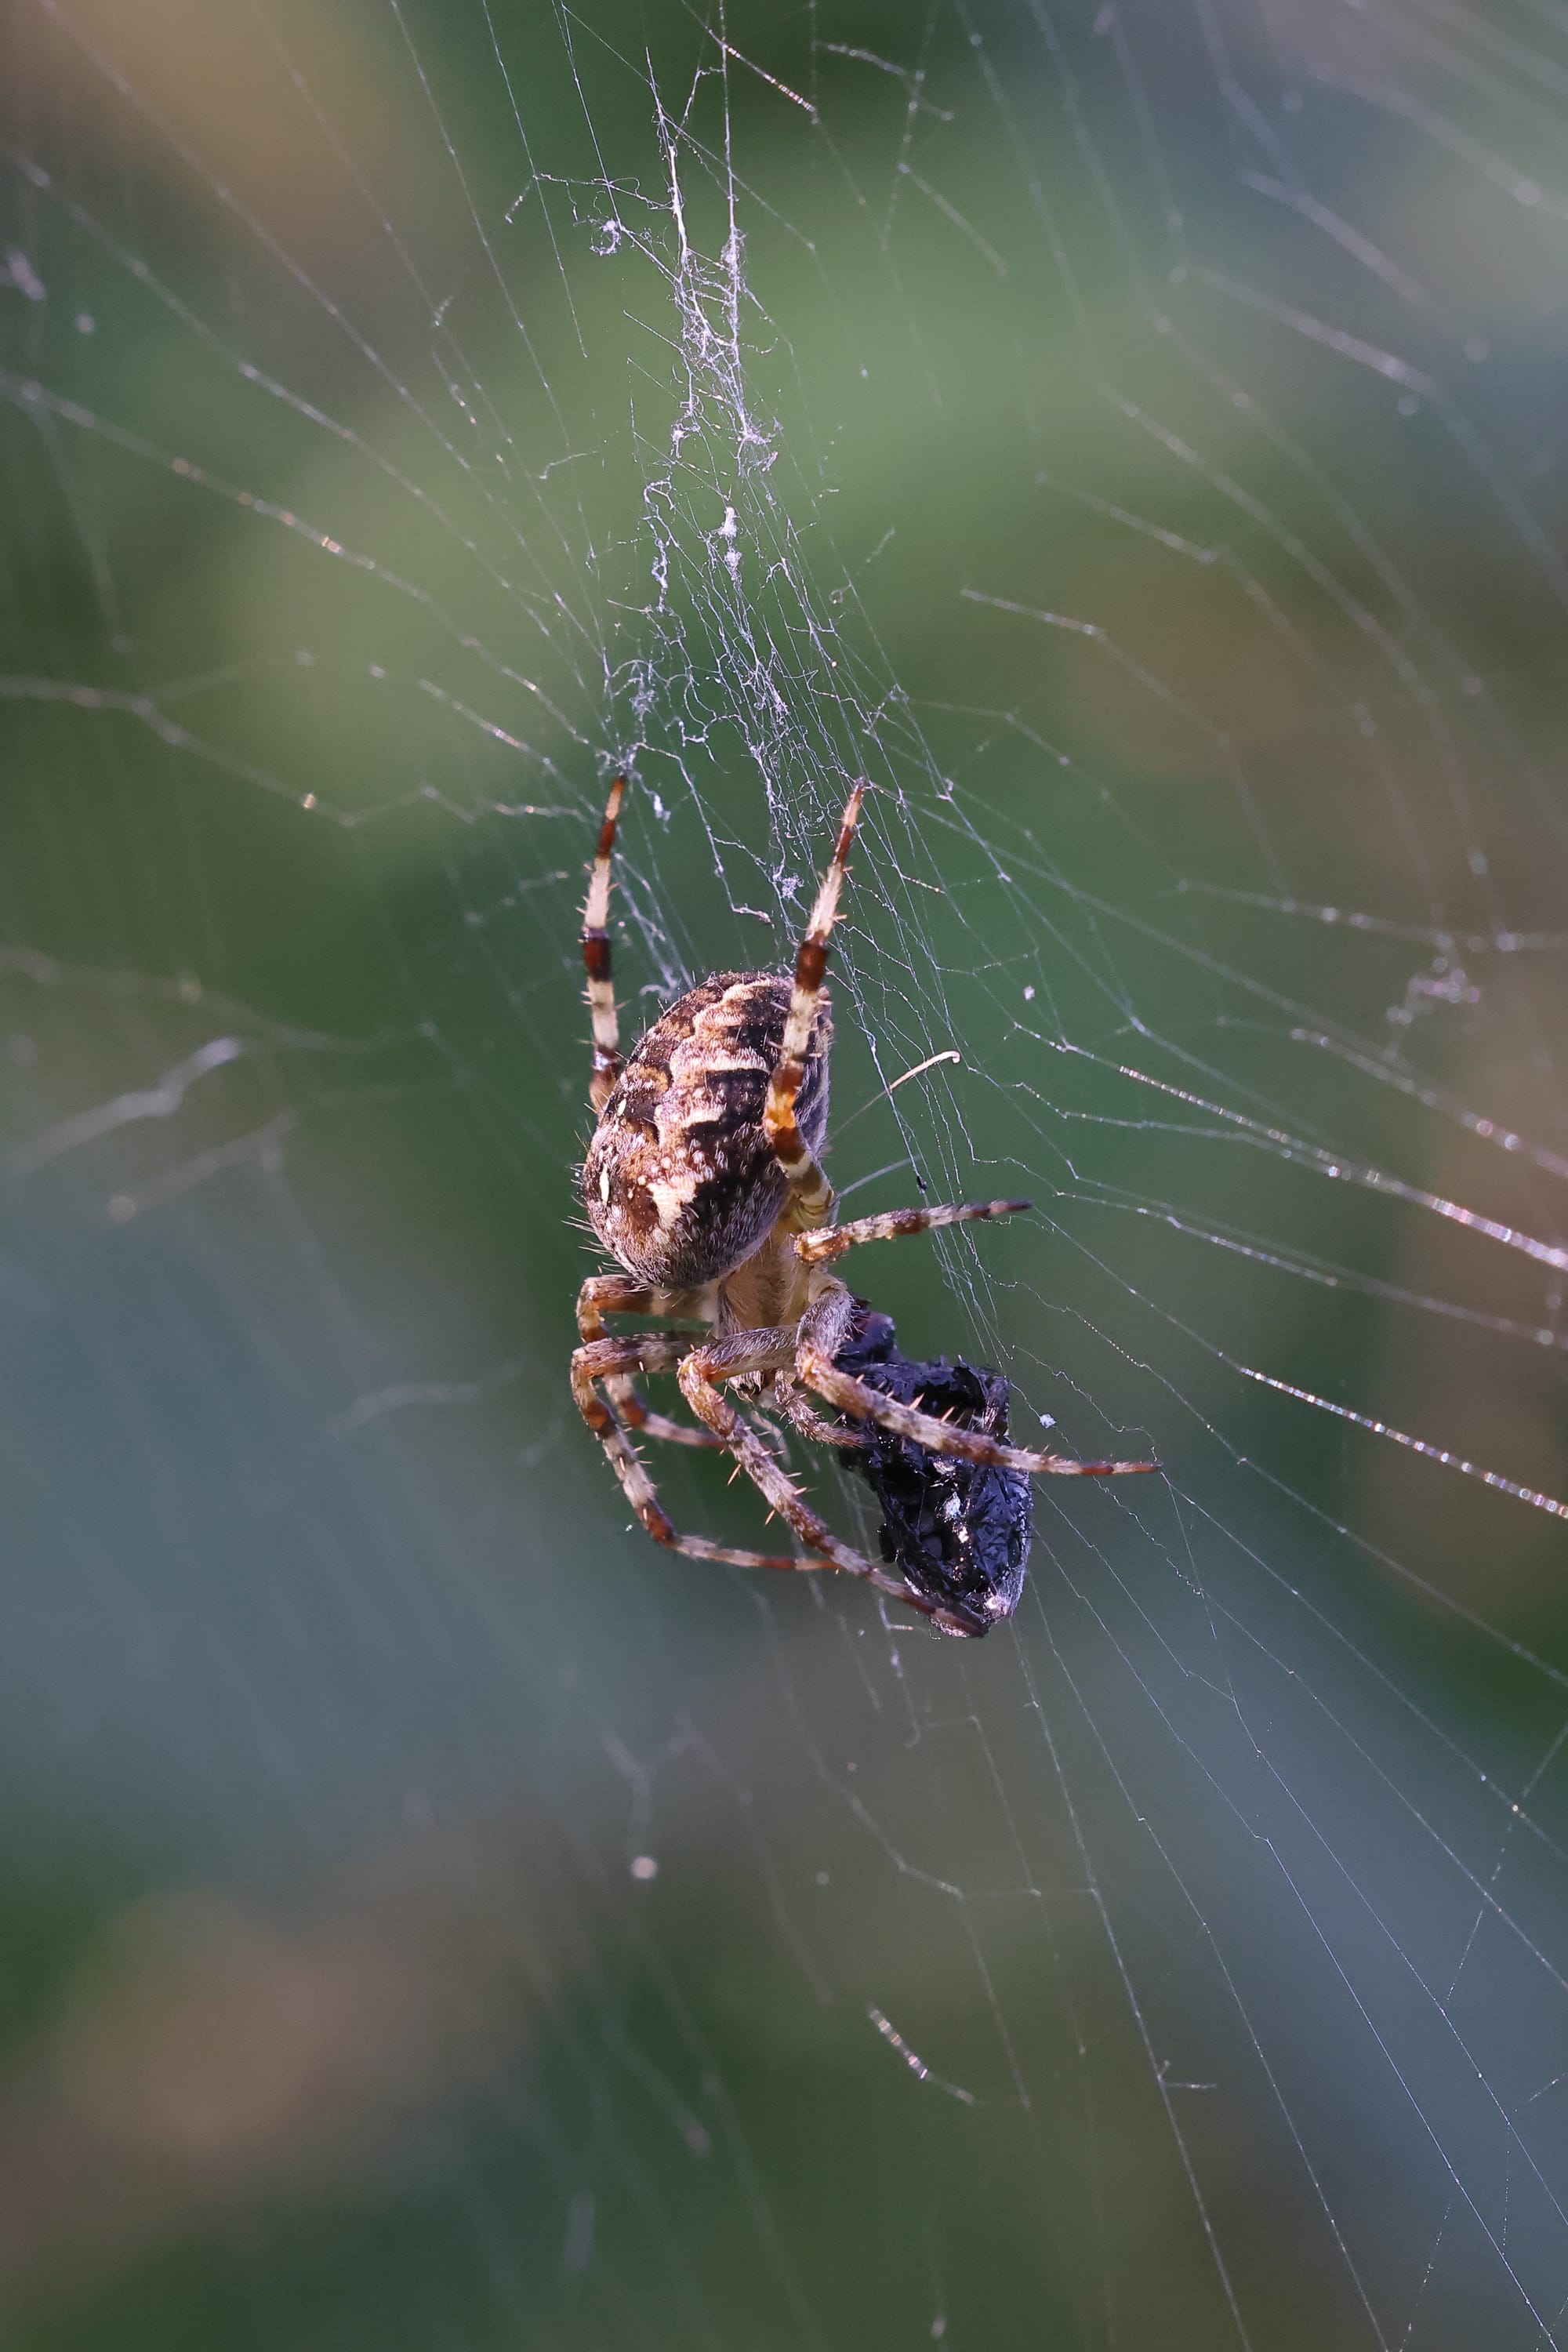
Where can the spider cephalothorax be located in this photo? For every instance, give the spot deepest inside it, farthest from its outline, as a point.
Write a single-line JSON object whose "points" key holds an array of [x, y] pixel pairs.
{"points": [[704, 1180]]}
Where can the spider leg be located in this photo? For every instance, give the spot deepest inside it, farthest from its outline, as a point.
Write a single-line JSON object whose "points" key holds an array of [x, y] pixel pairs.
{"points": [[701, 1373], [817, 1248], [596, 960], [809, 1187], [654, 1351], [800, 1416], [622, 1293], [824, 1330]]}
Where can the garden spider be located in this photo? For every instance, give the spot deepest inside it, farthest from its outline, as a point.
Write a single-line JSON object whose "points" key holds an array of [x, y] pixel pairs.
{"points": [[702, 1180]]}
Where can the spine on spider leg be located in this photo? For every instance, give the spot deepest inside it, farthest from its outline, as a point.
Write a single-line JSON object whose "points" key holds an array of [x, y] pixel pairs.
{"points": [[595, 936]]}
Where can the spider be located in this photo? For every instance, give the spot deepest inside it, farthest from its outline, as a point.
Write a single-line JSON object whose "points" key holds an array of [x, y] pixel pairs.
{"points": [[703, 1181]]}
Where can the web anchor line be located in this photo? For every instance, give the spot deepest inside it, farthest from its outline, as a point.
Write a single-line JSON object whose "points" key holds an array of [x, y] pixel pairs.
{"points": [[1531, 1494]]}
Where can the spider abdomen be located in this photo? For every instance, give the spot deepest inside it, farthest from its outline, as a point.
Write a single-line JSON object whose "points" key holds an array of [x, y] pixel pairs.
{"points": [[680, 1183]]}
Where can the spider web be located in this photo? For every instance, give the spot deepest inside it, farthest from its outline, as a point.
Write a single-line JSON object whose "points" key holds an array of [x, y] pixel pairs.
{"points": [[1131, 437]]}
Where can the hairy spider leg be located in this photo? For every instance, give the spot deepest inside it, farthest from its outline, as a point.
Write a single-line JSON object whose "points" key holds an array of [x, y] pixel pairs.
{"points": [[790, 1400], [658, 1351], [825, 1330], [820, 1373], [596, 960], [622, 1293], [810, 1192], [893, 1225]]}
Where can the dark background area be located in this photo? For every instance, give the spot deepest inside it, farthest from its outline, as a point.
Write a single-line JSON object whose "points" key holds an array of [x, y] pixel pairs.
{"points": [[1133, 438]]}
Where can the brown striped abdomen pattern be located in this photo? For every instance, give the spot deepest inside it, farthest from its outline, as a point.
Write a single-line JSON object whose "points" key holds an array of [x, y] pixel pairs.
{"points": [[681, 1184]]}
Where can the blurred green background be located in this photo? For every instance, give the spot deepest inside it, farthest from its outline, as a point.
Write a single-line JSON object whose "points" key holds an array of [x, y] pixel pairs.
{"points": [[1134, 438]]}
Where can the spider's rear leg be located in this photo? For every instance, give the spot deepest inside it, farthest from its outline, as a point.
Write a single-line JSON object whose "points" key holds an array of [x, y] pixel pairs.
{"points": [[596, 960], [824, 1334], [809, 1187], [652, 1351]]}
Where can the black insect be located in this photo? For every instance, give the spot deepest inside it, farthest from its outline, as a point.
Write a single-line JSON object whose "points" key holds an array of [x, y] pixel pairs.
{"points": [[957, 1531]]}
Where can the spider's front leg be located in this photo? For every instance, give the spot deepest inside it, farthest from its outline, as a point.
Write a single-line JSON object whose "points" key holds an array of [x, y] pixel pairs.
{"points": [[825, 1332], [894, 1225]]}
